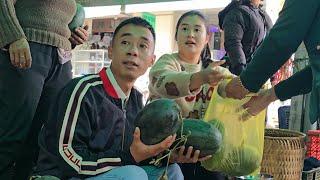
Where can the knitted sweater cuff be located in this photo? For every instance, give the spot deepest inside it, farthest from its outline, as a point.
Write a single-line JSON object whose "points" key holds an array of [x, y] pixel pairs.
{"points": [[10, 29], [48, 38]]}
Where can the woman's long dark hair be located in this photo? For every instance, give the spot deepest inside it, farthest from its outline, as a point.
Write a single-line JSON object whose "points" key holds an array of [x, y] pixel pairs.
{"points": [[206, 56]]}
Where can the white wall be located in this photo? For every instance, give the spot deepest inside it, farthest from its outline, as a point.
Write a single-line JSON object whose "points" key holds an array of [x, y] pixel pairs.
{"points": [[165, 34], [273, 8]]}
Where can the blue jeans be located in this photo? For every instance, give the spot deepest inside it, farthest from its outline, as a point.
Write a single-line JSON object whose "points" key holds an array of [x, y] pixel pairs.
{"points": [[154, 173], [132, 172], [129, 172], [22, 113]]}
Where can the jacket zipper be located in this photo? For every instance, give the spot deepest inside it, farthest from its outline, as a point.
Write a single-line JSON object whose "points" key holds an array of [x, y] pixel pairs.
{"points": [[124, 124]]}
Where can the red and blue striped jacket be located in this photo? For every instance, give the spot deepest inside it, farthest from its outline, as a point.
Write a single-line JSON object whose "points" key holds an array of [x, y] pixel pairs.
{"points": [[89, 130]]}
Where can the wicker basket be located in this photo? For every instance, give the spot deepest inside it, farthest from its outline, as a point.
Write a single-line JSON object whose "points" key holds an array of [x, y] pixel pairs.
{"points": [[283, 154]]}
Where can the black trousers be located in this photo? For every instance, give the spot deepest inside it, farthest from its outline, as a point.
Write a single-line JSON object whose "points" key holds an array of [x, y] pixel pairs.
{"points": [[197, 172], [25, 99]]}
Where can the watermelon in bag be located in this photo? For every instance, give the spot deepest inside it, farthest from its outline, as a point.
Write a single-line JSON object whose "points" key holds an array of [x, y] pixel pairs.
{"points": [[243, 140]]}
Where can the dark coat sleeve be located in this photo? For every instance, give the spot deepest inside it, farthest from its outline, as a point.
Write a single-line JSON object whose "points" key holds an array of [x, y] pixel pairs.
{"points": [[282, 41], [287, 89]]}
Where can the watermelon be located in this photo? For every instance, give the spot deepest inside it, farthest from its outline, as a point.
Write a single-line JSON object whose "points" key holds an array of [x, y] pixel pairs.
{"points": [[236, 161], [158, 120], [78, 18], [242, 161], [202, 136], [219, 125]]}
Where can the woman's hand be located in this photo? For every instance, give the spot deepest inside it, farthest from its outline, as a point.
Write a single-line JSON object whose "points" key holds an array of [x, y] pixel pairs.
{"points": [[80, 36], [20, 54], [234, 89], [211, 75], [260, 102]]}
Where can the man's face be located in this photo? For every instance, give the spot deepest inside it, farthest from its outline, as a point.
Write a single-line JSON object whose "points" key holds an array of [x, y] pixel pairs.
{"points": [[132, 52]]}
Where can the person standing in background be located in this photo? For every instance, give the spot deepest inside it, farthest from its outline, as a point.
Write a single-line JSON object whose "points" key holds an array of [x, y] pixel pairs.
{"points": [[290, 30], [34, 36], [245, 25]]}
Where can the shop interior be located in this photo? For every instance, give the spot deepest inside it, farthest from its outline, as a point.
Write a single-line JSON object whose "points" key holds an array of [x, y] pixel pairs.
{"points": [[103, 16]]}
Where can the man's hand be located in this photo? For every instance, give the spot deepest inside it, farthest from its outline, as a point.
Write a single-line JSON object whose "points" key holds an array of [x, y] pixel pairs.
{"points": [[140, 151], [20, 54], [260, 102], [179, 157], [235, 90], [79, 36]]}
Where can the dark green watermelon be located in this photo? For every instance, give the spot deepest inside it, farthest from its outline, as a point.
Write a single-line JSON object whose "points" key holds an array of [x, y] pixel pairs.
{"points": [[158, 120], [78, 18], [219, 125], [241, 161], [203, 136], [234, 161]]}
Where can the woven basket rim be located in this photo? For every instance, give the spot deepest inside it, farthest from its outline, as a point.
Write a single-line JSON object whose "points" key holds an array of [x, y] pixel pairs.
{"points": [[299, 134]]}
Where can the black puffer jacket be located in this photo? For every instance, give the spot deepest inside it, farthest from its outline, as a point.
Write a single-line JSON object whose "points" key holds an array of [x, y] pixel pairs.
{"points": [[245, 26]]}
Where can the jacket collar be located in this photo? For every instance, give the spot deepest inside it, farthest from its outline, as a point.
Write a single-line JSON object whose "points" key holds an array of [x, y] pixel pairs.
{"points": [[110, 85]]}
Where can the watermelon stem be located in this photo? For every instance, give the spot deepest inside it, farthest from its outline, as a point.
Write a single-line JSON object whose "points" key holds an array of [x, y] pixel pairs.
{"points": [[179, 141]]}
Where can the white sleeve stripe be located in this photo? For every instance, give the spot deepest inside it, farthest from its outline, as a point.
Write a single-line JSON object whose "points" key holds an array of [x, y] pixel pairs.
{"points": [[105, 169], [103, 160], [66, 150]]}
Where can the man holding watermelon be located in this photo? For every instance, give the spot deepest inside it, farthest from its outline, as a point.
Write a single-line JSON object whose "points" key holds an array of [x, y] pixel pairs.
{"points": [[90, 133], [34, 39]]}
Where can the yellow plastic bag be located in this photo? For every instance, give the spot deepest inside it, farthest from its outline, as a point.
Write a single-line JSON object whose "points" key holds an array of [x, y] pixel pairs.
{"points": [[242, 149]]}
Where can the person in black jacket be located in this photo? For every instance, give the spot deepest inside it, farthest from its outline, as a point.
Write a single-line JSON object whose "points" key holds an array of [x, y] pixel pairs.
{"points": [[245, 25], [290, 30], [91, 133]]}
